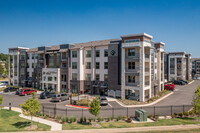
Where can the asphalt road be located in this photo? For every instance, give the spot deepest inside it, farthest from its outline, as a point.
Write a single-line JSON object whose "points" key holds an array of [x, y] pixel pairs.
{"points": [[177, 102]]}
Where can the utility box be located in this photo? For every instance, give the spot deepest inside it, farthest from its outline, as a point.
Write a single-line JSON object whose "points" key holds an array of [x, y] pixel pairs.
{"points": [[144, 114], [139, 115]]}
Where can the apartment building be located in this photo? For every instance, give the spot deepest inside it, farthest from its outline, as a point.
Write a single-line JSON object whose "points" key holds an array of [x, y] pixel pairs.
{"points": [[130, 66], [195, 67], [179, 66]]}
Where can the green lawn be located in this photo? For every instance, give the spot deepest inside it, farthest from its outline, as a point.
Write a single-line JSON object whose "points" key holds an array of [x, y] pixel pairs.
{"points": [[10, 122], [171, 131], [122, 124]]}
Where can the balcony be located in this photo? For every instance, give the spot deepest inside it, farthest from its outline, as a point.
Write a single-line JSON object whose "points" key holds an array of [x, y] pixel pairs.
{"points": [[136, 70], [147, 57], [136, 84], [147, 83], [132, 58]]}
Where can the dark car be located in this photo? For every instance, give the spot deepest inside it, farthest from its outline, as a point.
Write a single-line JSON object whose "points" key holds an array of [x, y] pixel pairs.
{"points": [[103, 101], [184, 81], [178, 82], [46, 94], [10, 89], [59, 97]]}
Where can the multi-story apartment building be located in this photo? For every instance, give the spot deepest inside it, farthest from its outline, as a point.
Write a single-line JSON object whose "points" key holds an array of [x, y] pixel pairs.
{"points": [[195, 67], [132, 65], [178, 66]]}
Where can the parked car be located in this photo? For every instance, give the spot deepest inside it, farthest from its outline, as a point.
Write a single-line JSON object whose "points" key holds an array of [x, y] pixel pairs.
{"points": [[24, 92], [17, 92], [103, 101], [178, 82], [10, 89], [170, 87], [46, 94], [184, 81], [4, 82], [2, 86], [60, 97]]}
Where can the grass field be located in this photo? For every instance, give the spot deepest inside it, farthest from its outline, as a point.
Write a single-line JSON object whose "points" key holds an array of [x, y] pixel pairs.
{"points": [[178, 131], [11, 122], [122, 124]]}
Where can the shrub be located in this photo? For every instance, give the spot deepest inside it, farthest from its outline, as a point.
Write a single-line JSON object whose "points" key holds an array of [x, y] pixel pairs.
{"points": [[63, 120], [83, 102], [180, 115], [156, 118], [74, 119], [102, 119], [81, 120], [90, 119], [111, 118], [70, 120], [173, 116], [99, 119], [129, 119], [118, 118], [150, 116], [186, 114], [124, 117], [58, 118], [85, 119], [94, 119], [44, 117], [108, 119]]}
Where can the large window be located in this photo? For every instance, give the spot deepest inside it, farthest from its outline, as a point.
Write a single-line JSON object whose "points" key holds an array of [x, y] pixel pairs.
{"points": [[49, 78], [131, 65], [88, 65], [97, 77], [74, 76], [97, 53], [74, 65], [88, 53], [88, 76], [64, 77], [131, 52], [172, 66], [105, 53], [131, 79], [105, 65], [74, 54], [97, 65]]}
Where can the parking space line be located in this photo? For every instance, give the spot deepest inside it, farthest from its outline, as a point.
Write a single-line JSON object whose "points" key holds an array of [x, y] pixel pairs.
{"points": [[110, 105]]}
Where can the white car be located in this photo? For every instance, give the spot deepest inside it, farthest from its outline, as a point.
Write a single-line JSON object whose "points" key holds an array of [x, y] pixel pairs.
{"points": [[2, 86]]}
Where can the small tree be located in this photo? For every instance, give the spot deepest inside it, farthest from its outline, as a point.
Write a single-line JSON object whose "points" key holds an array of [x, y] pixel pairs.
{"points": [[31, 107], [95, 107], [196, 101]]}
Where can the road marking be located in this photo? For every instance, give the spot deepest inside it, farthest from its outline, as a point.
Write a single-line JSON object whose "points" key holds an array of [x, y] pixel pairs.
{"points": [[110, 105]]}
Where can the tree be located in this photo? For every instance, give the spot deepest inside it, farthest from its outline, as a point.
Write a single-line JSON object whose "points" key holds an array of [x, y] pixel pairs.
{"points": [[196, 101], [1, 69], [95, 107], [31, 107]]}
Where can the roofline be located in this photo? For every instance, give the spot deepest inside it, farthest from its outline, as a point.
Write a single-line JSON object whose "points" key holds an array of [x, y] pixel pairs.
{"points": [[19, 48], [159, 43], [139, 34]]}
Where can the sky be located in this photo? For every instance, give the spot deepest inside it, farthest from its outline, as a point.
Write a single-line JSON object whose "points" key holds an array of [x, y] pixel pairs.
{"points": [[33, 23]]}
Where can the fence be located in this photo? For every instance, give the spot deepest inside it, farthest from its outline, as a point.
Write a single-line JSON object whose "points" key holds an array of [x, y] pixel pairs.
{"points": [[53, 110]]}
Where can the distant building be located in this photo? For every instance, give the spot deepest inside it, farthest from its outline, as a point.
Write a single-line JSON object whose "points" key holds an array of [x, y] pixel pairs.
{"points": [[195, 67]]}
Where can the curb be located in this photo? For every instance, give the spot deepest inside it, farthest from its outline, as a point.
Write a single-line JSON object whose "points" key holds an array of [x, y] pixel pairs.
{"points": [[76, 106], [191, 82], [144, 105]]}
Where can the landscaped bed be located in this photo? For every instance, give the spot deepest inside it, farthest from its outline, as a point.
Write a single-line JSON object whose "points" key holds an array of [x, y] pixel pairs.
{"points": [[123, 124], [11, 122], [133, 102]]}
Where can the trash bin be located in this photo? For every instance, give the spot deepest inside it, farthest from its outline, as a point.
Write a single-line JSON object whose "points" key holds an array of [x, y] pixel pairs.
{"points": [[139, 115], [144, 114]]}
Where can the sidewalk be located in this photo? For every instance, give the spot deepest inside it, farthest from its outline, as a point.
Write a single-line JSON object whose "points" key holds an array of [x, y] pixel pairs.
{"points": [[142, 105], [122, 130], [54, 126]]}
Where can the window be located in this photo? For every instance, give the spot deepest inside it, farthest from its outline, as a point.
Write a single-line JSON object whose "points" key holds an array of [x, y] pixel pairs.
{"points": [[74, 65], [105, 77], [32, 65], [88, 76], [55, 79], [105, 53], [22, 65], [64, 55], [131, 79], [28, 56], [22, 57], [33, 56], [74, 76], [147, 41], [88, 65], [64, 77], [97, 53], [105, 65], [88, 53], [132, 40], [131, 52], [97, 77], [64, 65], [49, 78], [74, 54], [131, 65], [44, 78], [97, 65]]}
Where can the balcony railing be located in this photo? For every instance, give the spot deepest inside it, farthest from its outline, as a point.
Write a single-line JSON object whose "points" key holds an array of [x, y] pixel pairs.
{"points": [[137, 69], [147, 56], [147, 83], [136, 84], [136, 56], [147, 69]]}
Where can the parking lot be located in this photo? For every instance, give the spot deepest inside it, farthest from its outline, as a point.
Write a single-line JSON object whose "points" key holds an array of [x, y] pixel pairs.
{"points": [[181, 96]]}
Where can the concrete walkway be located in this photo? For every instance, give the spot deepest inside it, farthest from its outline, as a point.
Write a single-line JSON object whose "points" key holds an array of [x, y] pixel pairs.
{"points": [[122, 130], [54, 126], [141, 105]]}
